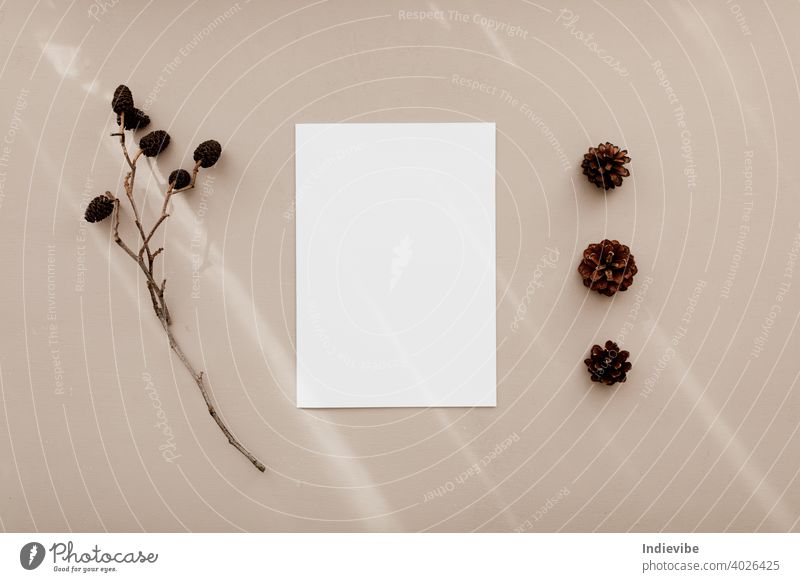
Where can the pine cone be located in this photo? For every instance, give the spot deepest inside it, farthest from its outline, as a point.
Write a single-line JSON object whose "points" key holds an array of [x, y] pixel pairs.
{"points": [[608, 365], [99, 208], [154, 143], [207, 153], [122, 100], [180, 179], [605, 165], [607, 267], [135, 119]]}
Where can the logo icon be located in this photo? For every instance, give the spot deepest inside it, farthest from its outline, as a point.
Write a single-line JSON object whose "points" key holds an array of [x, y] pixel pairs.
{"points": [[31, 555]]}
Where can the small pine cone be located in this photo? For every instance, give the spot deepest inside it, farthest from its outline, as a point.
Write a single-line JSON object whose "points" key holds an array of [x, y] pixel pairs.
{"points": [[122, 100], [207, 153], [180, 179], [154, 143], [607, 267], [605, 165], [135, 119], [99, 208], [608, 365]]}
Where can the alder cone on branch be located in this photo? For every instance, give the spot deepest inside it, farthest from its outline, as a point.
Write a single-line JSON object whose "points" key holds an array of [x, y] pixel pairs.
{"points": [[154, 143], [605, 165], [142, 253], [180, 179], [207, 153], [122, 101], [607, 267], [608, 364], [99, 208], [135, 119]]}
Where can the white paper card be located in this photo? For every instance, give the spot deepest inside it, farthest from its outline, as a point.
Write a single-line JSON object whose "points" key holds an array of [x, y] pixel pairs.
{"points": [[395, 264]]}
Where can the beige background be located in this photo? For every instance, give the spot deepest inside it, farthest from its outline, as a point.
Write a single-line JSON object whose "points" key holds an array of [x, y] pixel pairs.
{"points": [[703, 436]]}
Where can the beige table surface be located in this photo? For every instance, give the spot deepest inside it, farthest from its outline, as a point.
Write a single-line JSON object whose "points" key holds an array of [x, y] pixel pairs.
{"points": [[703, 436]]}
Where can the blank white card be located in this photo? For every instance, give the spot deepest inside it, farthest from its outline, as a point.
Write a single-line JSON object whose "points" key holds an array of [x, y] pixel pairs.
{"points": [[395, 264]]}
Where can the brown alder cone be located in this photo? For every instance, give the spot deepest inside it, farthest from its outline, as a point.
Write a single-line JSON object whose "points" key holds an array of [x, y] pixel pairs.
{"points": [[207, 153], [99, 209], [135, 119], [607, 267], [122, 100], [154, 143]]}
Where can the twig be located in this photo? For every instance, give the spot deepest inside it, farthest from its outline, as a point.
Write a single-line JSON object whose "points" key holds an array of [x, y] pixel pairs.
{"points": [[130, 178], [164, 215], [157, 291], [117, 238], [127, 249], [121, 135], [198, 378], [195, 170]]}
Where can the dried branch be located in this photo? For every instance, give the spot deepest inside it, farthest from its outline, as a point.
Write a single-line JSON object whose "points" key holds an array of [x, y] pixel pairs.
{"points": [[206, 155], [198, 378], [121, 135]]}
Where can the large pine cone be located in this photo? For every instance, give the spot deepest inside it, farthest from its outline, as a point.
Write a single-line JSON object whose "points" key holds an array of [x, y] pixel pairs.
{"points": [[122, 100], [607, 267], [605, 165], [154, 143], [99, 208], [207, 153], [608, 365]]}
